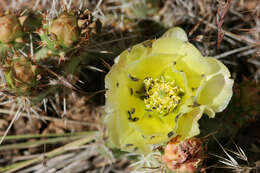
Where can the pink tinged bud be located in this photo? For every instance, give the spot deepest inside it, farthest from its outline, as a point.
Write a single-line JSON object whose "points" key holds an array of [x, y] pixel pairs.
{"points": [[183, 156]]}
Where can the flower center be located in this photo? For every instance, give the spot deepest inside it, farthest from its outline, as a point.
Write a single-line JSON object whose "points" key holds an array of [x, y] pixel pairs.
{"points": [[162, 96]]}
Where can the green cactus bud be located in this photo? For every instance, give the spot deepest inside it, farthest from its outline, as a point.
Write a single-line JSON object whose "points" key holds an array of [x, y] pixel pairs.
{"points": [[20, 75], [64, 30], [58, 36], [10, 28]]}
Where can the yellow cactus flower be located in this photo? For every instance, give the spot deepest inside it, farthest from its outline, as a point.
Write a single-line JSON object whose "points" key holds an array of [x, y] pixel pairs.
{"points": [[160, 89]]}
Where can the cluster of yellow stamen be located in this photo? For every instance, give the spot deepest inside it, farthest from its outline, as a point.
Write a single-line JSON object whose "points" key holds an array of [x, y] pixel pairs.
{"points": [[162, 96]]}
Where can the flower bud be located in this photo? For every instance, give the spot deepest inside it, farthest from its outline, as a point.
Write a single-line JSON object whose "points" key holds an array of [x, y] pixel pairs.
{"points": [[183, 156], [10, 28], [65, 30], [20, 75]]}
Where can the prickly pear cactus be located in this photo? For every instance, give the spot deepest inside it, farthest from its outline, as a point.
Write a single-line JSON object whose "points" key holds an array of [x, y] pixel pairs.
{"points": [[33, 47], [40, 57]]}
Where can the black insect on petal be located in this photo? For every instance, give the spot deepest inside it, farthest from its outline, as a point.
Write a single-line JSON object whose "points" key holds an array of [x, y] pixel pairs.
{"points": [[170, 134], [133, 78], [135, 119], [129, 115], [132, 110], [177, 117], [142, 97], [128, 145], [180, 94], [131, 91], [195, 104], [193, 88], [166, 114]]}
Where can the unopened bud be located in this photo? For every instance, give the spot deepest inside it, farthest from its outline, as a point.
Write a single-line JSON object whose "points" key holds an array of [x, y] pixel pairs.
{"points": [[66, 29], [183, 156], [10, 28]]}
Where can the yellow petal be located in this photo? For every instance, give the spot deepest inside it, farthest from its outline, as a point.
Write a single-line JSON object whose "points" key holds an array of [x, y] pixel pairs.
{"points": [[137, 52], [194, 78], [188, 125], [150, 66], [168, 45], [121, 135], [189, 54], [134, 142], [217, 66], [209, 111], [177, 33], [194, 60], [131, 54], [217, 92], [110, 121], [153, 126], [114, 82]]}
